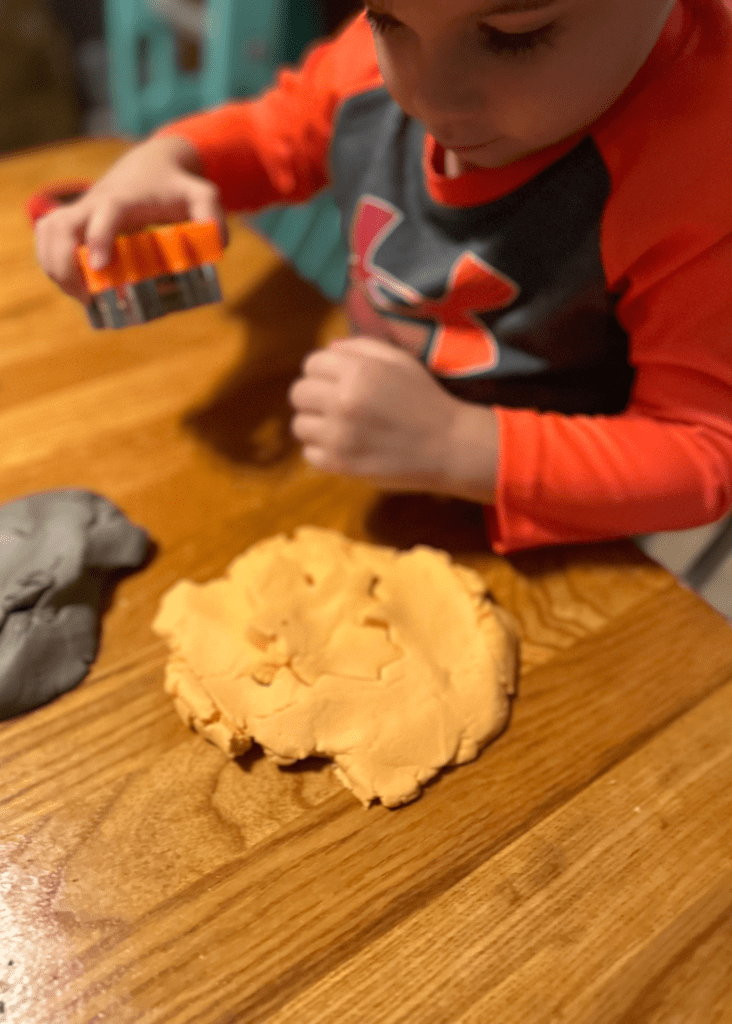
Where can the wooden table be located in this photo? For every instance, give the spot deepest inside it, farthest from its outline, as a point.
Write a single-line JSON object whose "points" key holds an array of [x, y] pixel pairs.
{"points": [[579, 871]]}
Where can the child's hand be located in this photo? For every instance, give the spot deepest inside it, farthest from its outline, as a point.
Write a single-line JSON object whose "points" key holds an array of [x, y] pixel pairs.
{"points": [[366, 408], [157, 181]]}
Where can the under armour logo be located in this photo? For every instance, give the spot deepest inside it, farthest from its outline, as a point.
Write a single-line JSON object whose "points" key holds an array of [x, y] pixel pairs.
{"points": [[450, 336]]}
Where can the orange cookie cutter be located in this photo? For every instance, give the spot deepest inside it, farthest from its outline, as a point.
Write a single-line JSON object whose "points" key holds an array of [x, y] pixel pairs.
{"points": [[151, 273]]}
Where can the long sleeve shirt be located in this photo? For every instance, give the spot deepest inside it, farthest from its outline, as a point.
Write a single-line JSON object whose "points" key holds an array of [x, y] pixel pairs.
{"points": [[584, 292]]}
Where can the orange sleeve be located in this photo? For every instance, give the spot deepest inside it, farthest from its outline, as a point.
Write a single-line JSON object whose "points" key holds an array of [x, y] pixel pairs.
{"points": [[665, 463], [274, 147]]}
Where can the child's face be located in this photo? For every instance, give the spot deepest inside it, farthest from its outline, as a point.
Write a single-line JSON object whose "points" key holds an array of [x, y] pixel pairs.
{"points": [[510, 76]]}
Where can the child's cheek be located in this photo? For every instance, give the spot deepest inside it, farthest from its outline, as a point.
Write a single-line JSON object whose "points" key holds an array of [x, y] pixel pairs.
{"points": [[397, 72]]}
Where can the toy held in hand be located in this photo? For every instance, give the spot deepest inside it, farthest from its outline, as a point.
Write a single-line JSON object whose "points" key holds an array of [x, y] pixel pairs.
{"points": [[151, 273]]}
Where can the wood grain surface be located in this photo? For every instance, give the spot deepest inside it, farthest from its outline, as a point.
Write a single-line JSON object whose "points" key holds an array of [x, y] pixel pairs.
{"points": [[579, 871]]}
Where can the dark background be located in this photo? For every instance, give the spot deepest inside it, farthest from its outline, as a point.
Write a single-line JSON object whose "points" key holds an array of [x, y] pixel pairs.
{"points": [[53, 77], [83, 18]]}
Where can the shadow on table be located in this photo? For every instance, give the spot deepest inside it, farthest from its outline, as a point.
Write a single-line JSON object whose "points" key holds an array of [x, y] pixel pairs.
{"points": [[247, 421], [403, 520], [618, 554]]}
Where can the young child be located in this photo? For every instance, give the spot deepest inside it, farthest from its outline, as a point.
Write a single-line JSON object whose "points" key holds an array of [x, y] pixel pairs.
{"points": [[537, 196]]}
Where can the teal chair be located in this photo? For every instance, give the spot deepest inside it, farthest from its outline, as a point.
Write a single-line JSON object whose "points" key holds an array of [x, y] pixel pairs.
{"points": [[242, 45]]}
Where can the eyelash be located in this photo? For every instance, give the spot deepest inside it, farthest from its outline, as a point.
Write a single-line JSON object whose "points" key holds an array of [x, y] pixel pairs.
{"points": [[511, 44]]}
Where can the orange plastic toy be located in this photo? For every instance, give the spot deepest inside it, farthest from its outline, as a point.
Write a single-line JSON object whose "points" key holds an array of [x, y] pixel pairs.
{"points": [[152, 273]]}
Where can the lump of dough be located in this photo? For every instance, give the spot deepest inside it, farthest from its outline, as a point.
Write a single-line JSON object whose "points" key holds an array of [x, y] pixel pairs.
{"points": [[59, 554], [392, 664]]}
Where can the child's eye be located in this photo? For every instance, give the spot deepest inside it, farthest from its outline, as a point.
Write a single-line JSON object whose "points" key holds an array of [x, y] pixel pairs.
{"points": [[514, 44], [511, 44], [381, 23]]}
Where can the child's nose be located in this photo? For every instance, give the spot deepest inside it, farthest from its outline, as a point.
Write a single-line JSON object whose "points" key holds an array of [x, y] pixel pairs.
{"points": [[444, 95]]}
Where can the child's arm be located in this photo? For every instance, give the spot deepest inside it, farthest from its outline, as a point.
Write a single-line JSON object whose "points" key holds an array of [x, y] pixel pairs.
{"points": [[367, 409], [569, 479], [275, 147], [243, 155], [159, 180], [666, 462]]}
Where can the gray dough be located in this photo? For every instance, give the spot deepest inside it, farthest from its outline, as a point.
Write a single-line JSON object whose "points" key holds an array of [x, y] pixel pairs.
{"points": [[58, 550]]}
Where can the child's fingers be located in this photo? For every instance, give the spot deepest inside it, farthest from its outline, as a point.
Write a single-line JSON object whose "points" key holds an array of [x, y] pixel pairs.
{"points": [[323, 362], [71, 278], [63, 268], [200, 199], [307, 429], [43, 243], [308, 394], [377, 348], [204, 204], [101, 230], [57, 236]]}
